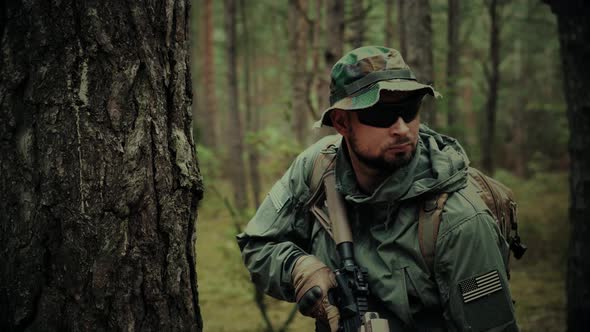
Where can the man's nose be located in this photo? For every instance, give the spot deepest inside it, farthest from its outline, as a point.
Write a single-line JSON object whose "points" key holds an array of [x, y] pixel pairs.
{"points": [[399, 128]]}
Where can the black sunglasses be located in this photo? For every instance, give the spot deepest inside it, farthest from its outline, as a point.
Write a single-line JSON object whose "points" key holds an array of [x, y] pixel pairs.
{"points": [[383, 115]]}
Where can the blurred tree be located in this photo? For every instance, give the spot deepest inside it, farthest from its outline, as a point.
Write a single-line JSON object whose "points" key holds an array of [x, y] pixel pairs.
{"points": [[401, 22], [333, 50], [334, 42], [417, 32], [236, 165], [298, 48], [208, 111], [453, 56], [492, 74], [252, 123], [100, 183], [574, 33], [357, 23], [388, 29], [252, 111], [318, 82]]}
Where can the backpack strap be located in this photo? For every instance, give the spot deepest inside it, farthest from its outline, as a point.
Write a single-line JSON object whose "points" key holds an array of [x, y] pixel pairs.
{"points": [[322, 165], [428, 225]]}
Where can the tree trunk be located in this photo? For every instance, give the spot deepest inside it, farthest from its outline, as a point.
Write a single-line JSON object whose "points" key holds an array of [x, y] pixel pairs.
{"points": [[401, 22], [235, 134], [417, 31], [252, 111], [208, 129], [317, 68], [100, 184], [333, 51], [298, 34], [388, 30], [493, 78], [334, 41], [574, 33], [357, 26], [453, 56]]}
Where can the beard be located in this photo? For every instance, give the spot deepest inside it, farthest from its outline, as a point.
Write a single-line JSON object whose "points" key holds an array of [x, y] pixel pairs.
{"points": [[380, 163]]}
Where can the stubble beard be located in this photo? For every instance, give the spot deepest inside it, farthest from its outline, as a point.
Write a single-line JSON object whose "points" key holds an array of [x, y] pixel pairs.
{"points": [[380, 163]]}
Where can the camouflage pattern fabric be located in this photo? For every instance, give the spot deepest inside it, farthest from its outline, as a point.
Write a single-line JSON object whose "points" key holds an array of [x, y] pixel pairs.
{"points": [[356, 66]]}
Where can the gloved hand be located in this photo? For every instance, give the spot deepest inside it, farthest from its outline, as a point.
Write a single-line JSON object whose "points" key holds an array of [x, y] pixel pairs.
{"points": [[312, 280]]}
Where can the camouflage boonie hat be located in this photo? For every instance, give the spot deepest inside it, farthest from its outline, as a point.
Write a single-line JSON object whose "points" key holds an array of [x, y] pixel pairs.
{"points": [[359, 77]]}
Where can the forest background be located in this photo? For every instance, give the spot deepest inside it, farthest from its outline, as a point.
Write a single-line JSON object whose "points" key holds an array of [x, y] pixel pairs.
{"points": [[260, 79]]}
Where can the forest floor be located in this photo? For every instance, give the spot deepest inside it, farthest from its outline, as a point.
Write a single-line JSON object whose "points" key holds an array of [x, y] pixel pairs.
{"points": [[226, 295]]}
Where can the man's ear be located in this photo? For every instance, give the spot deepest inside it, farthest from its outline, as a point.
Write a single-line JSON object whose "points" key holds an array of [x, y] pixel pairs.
{"points": [[340, 121]]}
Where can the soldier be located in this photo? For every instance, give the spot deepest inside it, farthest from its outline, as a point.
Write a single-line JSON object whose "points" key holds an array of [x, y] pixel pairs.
{"points": [[387, 166]]}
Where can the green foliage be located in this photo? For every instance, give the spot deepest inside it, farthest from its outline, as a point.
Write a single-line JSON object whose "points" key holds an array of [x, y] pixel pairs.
{"points": [[209, 162], [276, 149], [538, 280]]}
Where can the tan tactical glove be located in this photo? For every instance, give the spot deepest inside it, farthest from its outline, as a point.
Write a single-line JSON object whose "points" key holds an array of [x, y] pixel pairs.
{"points": [[312, 280]]}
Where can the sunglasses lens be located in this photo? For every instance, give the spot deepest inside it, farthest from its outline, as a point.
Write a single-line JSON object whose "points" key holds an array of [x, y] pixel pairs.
{"points": [[383, 115]]}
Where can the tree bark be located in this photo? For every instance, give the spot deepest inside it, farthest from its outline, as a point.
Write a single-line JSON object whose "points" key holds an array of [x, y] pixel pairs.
{"points": [[298, 34], [100, 183], [493, 78], [417, 31], [235, 134], [453, 56], [574, 33], [208, 112]]}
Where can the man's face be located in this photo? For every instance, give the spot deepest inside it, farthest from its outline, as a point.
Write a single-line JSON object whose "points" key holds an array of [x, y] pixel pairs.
{"points": [[383, 149]]}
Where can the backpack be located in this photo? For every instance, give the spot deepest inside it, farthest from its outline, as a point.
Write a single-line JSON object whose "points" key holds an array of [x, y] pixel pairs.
{"points": [[498, 198]]}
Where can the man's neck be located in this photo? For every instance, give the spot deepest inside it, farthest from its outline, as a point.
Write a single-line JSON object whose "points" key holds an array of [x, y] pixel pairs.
{"points": [[367, 177]]}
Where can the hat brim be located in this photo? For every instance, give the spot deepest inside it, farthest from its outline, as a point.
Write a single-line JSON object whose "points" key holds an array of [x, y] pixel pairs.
{"points": [[369, 97]]}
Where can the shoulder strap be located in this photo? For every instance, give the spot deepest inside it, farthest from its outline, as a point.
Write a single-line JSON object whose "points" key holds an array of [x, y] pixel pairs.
{"points": [[322, 165], [324, 162], [428, 225]]}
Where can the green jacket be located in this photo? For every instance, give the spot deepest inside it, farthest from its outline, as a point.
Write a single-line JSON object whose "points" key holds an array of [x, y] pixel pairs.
{"points": [[385, 229]]}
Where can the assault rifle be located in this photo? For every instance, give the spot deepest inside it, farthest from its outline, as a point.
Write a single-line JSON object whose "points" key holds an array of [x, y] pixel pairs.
{"points": [[351, 295]]}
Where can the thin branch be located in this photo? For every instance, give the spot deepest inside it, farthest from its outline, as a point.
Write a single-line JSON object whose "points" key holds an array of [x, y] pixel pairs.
{"points": [[289, 320]]}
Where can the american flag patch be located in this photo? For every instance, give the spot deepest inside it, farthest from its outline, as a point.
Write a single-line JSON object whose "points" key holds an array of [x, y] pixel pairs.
{"points": [[480, 286]]}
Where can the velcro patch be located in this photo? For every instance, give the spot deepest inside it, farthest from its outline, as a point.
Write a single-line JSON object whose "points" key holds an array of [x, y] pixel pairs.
{"points": [[486, 303], [480, 286], [279, 195]]}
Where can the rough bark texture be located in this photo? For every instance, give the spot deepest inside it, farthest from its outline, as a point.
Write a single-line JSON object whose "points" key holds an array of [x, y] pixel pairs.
{"points": [[453, 55], [99, 184], [417, 32], [493, 79], [236, 163], [574, 33], [298, 33], [208, 110]]}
